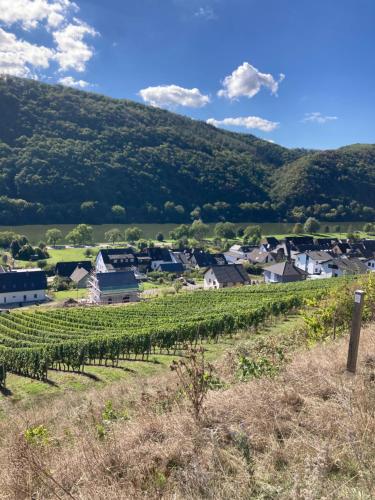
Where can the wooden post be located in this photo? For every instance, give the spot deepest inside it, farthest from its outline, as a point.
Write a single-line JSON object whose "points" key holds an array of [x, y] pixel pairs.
{"points": [[359, 297]]}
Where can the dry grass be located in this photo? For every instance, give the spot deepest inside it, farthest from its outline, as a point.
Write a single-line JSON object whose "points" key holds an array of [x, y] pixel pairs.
{"points": [[308, 433]]}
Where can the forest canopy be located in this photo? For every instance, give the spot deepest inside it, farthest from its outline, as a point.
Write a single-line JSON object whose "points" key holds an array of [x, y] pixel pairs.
{"points": [[72, 156]]}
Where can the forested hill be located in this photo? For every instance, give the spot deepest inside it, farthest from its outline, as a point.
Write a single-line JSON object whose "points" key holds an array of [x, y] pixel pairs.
{"points": [[72, 156]]}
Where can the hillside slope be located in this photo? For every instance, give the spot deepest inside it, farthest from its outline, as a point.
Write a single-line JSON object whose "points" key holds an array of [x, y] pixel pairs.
{"points": [[308, 433], [61, 147]]}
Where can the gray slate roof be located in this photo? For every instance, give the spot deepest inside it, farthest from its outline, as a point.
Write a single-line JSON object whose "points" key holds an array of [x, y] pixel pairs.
{"points": [[79, 274], [319, 256], [285, 269], [22, 281], [117, 281], [230, 273]]}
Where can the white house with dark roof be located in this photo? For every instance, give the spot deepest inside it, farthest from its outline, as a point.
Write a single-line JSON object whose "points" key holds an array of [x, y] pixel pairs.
{"points": [[225, 276], [313, 262], [283, 272], [115, 259], [115, 287], [346, 267], [22, 286]]}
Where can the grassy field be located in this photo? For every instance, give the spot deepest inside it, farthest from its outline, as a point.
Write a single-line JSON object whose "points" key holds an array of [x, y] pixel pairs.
{"points": [[81, 293], [68, 254]]}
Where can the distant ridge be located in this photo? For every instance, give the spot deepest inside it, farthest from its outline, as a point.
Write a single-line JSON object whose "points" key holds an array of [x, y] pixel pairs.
{"points": [[70, 156]]}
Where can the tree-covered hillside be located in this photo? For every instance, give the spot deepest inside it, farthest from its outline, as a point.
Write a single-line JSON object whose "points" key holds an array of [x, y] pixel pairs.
{"points": [[71, 156]]}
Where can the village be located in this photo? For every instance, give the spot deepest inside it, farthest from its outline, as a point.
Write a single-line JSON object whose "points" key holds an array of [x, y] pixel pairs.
{"points": [[120, 275]]}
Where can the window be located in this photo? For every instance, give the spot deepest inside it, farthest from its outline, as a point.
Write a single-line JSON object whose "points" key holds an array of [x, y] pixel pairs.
{"points": [[24, 298], [5, 299], [35, 295]]}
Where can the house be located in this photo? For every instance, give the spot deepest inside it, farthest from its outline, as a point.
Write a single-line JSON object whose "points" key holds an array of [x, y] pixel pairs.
{"points": [[80, 276], [283, 272], [159, 255], [341, 248], [199, 259], [114, 287], [312, 261], [66, 269], [143, 262], [346, 267], [259, 256], [370, 263], [239, 252], [270, 243], [115, 259], [228, 275], [171, 267], [22, 286]]}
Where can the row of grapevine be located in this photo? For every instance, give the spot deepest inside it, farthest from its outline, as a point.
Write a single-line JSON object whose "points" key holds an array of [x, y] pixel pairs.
{"points": [[33, 342]]}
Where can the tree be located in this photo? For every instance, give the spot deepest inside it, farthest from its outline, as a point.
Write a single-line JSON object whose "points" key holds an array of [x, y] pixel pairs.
{"points": [[199, 230], [196, 213], [113, 235], [15, 247], [159, 237], [253, 235], [53, 236], [312, 225], [133, 234], [142, 244], [298, 228], [89, 207], [182, 231], [118, 211], [80, 235], [6, 238], [368, 228], [225, 230]]}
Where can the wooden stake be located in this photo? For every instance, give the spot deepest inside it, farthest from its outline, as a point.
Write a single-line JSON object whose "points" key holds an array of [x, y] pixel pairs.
{"points": [[359, 296]]}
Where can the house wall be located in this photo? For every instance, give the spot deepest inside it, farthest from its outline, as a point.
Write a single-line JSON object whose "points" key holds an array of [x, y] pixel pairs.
{"points": [[300, 261], [309, 265], [99, 265], [83, 282], [371, 265], [210, 281], [19, 297], [270, 277]]}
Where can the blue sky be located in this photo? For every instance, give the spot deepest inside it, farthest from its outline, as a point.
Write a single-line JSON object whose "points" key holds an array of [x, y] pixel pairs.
{"points": [[297, 72]]}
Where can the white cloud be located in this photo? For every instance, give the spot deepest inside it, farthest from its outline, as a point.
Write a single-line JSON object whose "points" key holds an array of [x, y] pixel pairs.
{"points": [[248, 122], [317, 117], [69, 81], [21, 58], [170, 96], [247, 81], [72, 51], [205, 13], [68, 47], [29, 13]]}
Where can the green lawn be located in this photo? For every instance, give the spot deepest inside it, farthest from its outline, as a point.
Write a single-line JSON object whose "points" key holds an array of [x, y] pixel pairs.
{"points": [[67, 254], [81, 293]]}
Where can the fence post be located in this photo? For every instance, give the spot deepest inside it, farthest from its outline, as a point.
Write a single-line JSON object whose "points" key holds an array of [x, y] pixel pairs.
{"points": [[359, 296]]}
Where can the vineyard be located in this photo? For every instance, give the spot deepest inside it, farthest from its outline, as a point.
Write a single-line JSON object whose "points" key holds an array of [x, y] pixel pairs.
{"points": [[31, 342]]}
